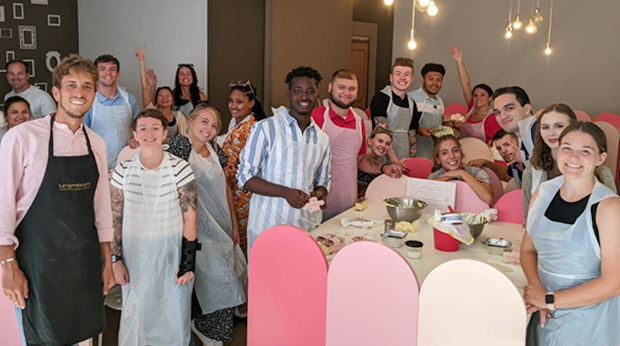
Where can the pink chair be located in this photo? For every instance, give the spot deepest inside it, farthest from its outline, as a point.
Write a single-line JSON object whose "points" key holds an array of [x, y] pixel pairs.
{"points": [[419, 167], [473, 148], [583, 116], [127, 154], [9, 330], [613, 142], [384, 186], [287, 290], [510, 207], [511, 186], [455, 108], [467, 302], [610, 118], [496, 183], [466, 199], [372, 297]]}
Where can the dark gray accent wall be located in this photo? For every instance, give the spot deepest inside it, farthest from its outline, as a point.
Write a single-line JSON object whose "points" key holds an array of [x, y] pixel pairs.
{"points": [[62, 39]]}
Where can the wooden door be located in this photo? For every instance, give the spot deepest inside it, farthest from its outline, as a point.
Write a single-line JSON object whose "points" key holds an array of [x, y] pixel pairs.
{"points": [[360, 55]]}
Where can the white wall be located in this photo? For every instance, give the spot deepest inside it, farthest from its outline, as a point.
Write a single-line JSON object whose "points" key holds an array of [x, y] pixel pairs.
{"points": [[583, 71], [173, 31]]}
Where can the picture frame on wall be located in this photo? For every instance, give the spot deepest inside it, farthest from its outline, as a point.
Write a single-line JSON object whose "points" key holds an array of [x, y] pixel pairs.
{"points": [[6, 33], [30, 66], [27, 37], [18, 10], [38, 2], [10, 55], [53, 20], [1, 14], [42, 86]]}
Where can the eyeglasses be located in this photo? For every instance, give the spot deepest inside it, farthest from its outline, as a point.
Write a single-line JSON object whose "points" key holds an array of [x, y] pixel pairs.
{"points": [[243, 83]]}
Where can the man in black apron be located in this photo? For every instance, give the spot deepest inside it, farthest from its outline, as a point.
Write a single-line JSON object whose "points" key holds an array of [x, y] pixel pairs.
{"points": [[60, 271]]}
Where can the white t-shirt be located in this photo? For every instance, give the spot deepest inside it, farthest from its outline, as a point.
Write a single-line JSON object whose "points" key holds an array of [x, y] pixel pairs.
{"points": [[41, 103]]}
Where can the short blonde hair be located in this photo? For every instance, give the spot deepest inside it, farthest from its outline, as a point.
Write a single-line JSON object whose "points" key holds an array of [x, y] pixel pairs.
{"points": [[73, 63], [202, 107]]}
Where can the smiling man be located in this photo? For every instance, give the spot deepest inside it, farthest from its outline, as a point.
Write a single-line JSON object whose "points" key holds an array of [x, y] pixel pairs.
{"points": [[55, 216], [286, 161], [430, 106], [514, 114], [507, 144], [41, 103], [113, 110]]}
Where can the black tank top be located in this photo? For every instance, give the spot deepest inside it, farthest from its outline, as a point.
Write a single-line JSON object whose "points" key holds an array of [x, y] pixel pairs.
{"points": [[567, 212]]}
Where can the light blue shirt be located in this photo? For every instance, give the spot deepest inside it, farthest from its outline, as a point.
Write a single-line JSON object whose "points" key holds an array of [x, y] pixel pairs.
{"points": [[278, 152], [117, 100]]}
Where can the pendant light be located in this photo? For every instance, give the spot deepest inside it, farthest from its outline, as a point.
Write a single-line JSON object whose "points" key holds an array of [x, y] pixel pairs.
{"points": [[538, 18], [518, 24], [508, 34], [548, 48]]}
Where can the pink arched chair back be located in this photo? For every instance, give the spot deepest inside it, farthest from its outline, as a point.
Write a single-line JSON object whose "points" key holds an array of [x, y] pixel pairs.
{"points": [[583, 116], [466, 199], [496, 183], [486, 309], [473, 148], [127, 154], [610, 118], [511, 186], [372, 297], [454, 108], [9, 330], [613, 142], [384, 186], [419, 167], [510, 207], [287, 289]]}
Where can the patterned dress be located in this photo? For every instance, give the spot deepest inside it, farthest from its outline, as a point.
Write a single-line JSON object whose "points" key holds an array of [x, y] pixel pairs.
{"points": [[232, 146]]}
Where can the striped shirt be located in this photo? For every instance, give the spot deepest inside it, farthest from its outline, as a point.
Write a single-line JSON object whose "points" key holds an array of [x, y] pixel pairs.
{"points": [[278, 152], [183, 173]]}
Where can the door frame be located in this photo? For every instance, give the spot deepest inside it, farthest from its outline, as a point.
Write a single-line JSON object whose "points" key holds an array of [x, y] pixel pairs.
{"points": [[369, 30]]}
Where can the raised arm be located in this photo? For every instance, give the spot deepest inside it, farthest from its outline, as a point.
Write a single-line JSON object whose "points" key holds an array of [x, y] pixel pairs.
{"points": [[146, 95], [457, 55]]}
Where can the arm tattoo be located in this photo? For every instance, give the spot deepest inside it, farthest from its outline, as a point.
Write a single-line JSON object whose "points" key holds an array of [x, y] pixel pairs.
{"points": [[118, 205], [188, 195]]}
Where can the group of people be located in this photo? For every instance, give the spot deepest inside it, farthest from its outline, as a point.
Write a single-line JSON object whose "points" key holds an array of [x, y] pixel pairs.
{"points": [[183, 213]]}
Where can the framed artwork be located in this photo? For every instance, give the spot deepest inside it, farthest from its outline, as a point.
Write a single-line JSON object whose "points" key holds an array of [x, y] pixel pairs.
{"points": [[53, 20], [38, 2], [6, 33], [18, 11], [10, 55], [1, 14], [29, 66], [27, 37], [42, 86]]}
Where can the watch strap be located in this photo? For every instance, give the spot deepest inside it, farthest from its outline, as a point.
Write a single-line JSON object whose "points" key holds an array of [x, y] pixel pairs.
{"points": [[116, 258]]}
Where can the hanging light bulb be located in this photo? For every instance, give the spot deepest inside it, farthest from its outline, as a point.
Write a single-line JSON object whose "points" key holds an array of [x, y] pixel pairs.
{"points": [[538, 18], [548, 49], [509, 31], [388, 2], [531, 27], [424, 3], [432, 8], [412, 44], [517, 24]]}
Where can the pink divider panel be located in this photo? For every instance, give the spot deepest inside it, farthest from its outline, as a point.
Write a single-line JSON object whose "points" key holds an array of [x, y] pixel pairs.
{"points": [[610, 118], [455, 108], [583, 116], [9, 330], [384, 186], [496, 183], [287, 289], [510, 207], [466, 199], [473, 148], [419, 167], [467, 302], [372, 297], [613, 147]]}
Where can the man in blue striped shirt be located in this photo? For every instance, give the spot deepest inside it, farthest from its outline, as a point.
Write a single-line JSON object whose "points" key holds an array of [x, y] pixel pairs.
{"points": [[286, 161]]}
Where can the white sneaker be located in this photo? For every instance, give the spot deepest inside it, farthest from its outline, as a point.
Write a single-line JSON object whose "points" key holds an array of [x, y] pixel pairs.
{"points": [[206, 341]]}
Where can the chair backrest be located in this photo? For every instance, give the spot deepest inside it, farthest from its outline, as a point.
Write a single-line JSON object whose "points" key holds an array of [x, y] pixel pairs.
{"points": [[419, 167], [511, 186], [126, 154], [385, 187], [510, 207], [486, 309], [496, 183], [613, 141], [611, 118], [466, 199], [8, 321], [583, 116], [287, 289], [473, 148], [372, 297], [454, 108]]}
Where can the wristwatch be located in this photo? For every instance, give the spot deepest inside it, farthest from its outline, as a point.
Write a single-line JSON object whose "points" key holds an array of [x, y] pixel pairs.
{"points": [[116, 258], [550, 300]]}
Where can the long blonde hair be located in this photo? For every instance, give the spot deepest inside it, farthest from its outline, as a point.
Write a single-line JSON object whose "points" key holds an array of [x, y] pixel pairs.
{"points": [[204, 106]]}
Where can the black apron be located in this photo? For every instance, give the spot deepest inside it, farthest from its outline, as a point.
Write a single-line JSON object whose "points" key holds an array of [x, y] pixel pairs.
{"points": [[60, 255]]}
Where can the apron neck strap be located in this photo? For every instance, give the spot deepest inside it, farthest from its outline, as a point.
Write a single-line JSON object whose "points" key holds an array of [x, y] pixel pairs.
{"points": [[50, 147]]}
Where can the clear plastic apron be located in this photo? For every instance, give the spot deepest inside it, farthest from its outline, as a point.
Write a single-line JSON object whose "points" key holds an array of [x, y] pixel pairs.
{"points": [[156, 311], [217, 286], [430, 117], [113, 124], [399, 121], [345, 145], [569, 255]]}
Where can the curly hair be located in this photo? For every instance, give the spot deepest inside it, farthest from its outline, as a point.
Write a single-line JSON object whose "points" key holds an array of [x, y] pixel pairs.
{"points": [[541, 155], [303, 71]]}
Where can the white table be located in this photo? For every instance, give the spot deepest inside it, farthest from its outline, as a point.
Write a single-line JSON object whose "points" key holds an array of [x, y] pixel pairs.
{"points": [[431, 257]]}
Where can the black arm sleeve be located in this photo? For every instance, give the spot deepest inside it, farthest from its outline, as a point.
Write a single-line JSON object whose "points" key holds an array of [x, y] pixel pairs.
{"points": [[415, 120], [378, 106]]}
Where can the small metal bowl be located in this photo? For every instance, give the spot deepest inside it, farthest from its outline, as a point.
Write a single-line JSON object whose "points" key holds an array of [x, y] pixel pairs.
{"points": [[497, 246], [474, 228], [404, 209]]}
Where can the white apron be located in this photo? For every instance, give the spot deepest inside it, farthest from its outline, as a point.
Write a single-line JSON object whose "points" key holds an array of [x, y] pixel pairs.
{"points": [[113, 124], [156, 311], [475, 130], [399, 120], [346, 144], [217, 286], [430, 118], [569, 255]]}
